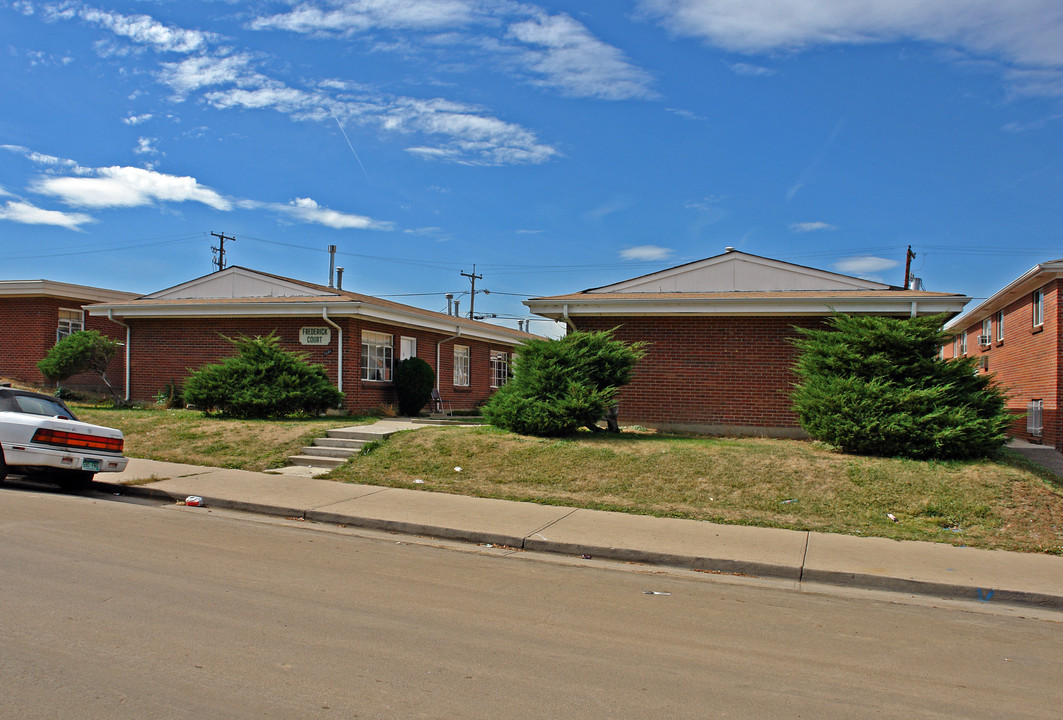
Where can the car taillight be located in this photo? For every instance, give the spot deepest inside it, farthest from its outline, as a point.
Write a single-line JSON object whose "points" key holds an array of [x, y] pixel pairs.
{"points": [[77, 440]]}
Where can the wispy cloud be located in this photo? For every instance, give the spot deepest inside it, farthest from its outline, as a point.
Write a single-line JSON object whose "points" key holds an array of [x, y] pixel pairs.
{"points": [[142, 30], [554, 50], [646, 253], [137, 119], [741, 68], [1025, 33], [437, 128], [308, 211], [128, 187], [865, 266], [146, 146], [568, 57], [805, 227], [125, 187], [29, 214], [350, 17]]}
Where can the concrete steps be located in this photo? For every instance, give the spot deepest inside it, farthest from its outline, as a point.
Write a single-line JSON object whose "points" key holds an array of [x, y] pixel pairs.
{"points": [[338, 445]]}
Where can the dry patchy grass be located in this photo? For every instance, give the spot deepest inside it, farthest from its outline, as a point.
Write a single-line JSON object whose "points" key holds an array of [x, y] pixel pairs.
{"points": [[186, 436], [774, 483]]}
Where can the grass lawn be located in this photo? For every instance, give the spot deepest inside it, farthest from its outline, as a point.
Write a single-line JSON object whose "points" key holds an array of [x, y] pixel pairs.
{"points": [[776, 483], [186, 436]]}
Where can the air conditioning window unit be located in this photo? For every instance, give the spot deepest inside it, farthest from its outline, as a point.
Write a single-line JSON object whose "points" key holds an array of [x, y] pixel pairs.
{"points": [[983, 340]]}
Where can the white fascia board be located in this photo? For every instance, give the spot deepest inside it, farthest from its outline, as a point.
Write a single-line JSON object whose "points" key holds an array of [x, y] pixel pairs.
{"points": [[739, 306], [52, 288], [1029, 281], [309, 310]]}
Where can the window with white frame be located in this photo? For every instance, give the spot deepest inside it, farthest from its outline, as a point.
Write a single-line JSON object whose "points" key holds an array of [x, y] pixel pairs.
{"points": [[1000, 326], [987, 332], [1038, 307], [70, 322], [963, 344], [461, 365], [376, 356], [407, 348], [499, 368]]}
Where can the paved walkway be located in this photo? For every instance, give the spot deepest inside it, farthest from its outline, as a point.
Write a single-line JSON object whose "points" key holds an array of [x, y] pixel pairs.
{"points": [[932, 569], [1044, 455]]}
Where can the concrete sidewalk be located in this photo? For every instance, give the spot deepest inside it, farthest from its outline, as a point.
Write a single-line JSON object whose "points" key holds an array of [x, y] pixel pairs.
{"points": [[924, 568]]}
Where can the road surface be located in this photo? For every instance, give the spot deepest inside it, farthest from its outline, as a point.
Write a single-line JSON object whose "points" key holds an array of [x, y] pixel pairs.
{"points": [[116, 609]]}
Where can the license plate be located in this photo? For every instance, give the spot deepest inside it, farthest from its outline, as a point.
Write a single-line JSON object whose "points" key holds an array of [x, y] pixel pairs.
{"points": [[91, 465]]}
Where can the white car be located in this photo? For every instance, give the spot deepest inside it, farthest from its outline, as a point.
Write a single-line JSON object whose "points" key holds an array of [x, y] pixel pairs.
{"points": [[40, 435]]}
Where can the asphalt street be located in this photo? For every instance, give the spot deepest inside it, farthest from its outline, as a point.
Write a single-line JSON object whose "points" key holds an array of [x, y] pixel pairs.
{"points": [[118, 609]]}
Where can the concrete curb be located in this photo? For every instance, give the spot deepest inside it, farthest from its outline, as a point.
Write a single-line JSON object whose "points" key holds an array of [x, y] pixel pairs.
{"points": [[800, 574]]}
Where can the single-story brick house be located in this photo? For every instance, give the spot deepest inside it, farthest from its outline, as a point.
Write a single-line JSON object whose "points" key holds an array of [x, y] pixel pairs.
{"points": [[35, 314], [357, 338], [720, 334], [1016, 335]]}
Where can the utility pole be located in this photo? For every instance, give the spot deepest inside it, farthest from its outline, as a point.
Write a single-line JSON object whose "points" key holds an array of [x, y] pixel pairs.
{"points": [[909, 256], [472, 297], [219, 252]]}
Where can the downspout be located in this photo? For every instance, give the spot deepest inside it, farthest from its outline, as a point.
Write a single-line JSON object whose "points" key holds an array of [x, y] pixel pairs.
{"points": [[915, 308], [568, 320], [438, 344], [339, 356], [128, 338]]}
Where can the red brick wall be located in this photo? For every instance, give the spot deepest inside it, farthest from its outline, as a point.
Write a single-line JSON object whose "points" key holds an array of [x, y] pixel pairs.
{"points": [[166, 349], [718, 373], [27, 328], [1027, 362]]}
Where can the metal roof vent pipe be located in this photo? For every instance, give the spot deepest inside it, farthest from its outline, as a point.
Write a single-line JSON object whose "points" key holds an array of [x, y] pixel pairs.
{"points": [[339, 278], [450, 303], [331, 263]]}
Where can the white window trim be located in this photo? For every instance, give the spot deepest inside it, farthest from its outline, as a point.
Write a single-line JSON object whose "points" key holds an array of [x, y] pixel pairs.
{"points": [[1000, 326], [384, 362], [963, 343], [1038, 308], [462, 363], [403, 355], [72, 326], [496, 356]]}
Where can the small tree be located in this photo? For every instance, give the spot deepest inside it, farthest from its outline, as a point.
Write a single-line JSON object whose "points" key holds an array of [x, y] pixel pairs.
{"points": [[414, 380], [262, 380], [561, 385], [876, 386], [82, 351]]}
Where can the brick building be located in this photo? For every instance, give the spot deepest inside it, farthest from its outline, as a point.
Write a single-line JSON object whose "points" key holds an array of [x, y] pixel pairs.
{"points": [[357, 338], [35, 314], [720, 334], [1016, 336]]}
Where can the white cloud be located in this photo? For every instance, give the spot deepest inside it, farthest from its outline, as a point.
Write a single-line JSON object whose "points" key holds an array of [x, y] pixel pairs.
{"points": [[144, 30], [120, 187], [862, 266], [749, 70], [307, 210], [1023, 32], [645, 253], [145, 146], [804, 227], [349, 17], [560, 52], [27, 214], [137, 119], [205, 71], [575, 62]]}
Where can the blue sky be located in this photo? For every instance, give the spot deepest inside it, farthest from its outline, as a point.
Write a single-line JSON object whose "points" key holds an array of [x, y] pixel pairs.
{"points": [[556, 146]]}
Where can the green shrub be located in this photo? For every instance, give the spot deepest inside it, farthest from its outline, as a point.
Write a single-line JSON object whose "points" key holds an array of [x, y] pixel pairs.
{"points": [[171, 396], [876, 386], [83, 351], [414, 380], [262, 380], [561, 385]]}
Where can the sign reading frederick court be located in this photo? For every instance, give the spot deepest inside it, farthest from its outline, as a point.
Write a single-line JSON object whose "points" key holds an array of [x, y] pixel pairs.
{"points": [[315, 335]]}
